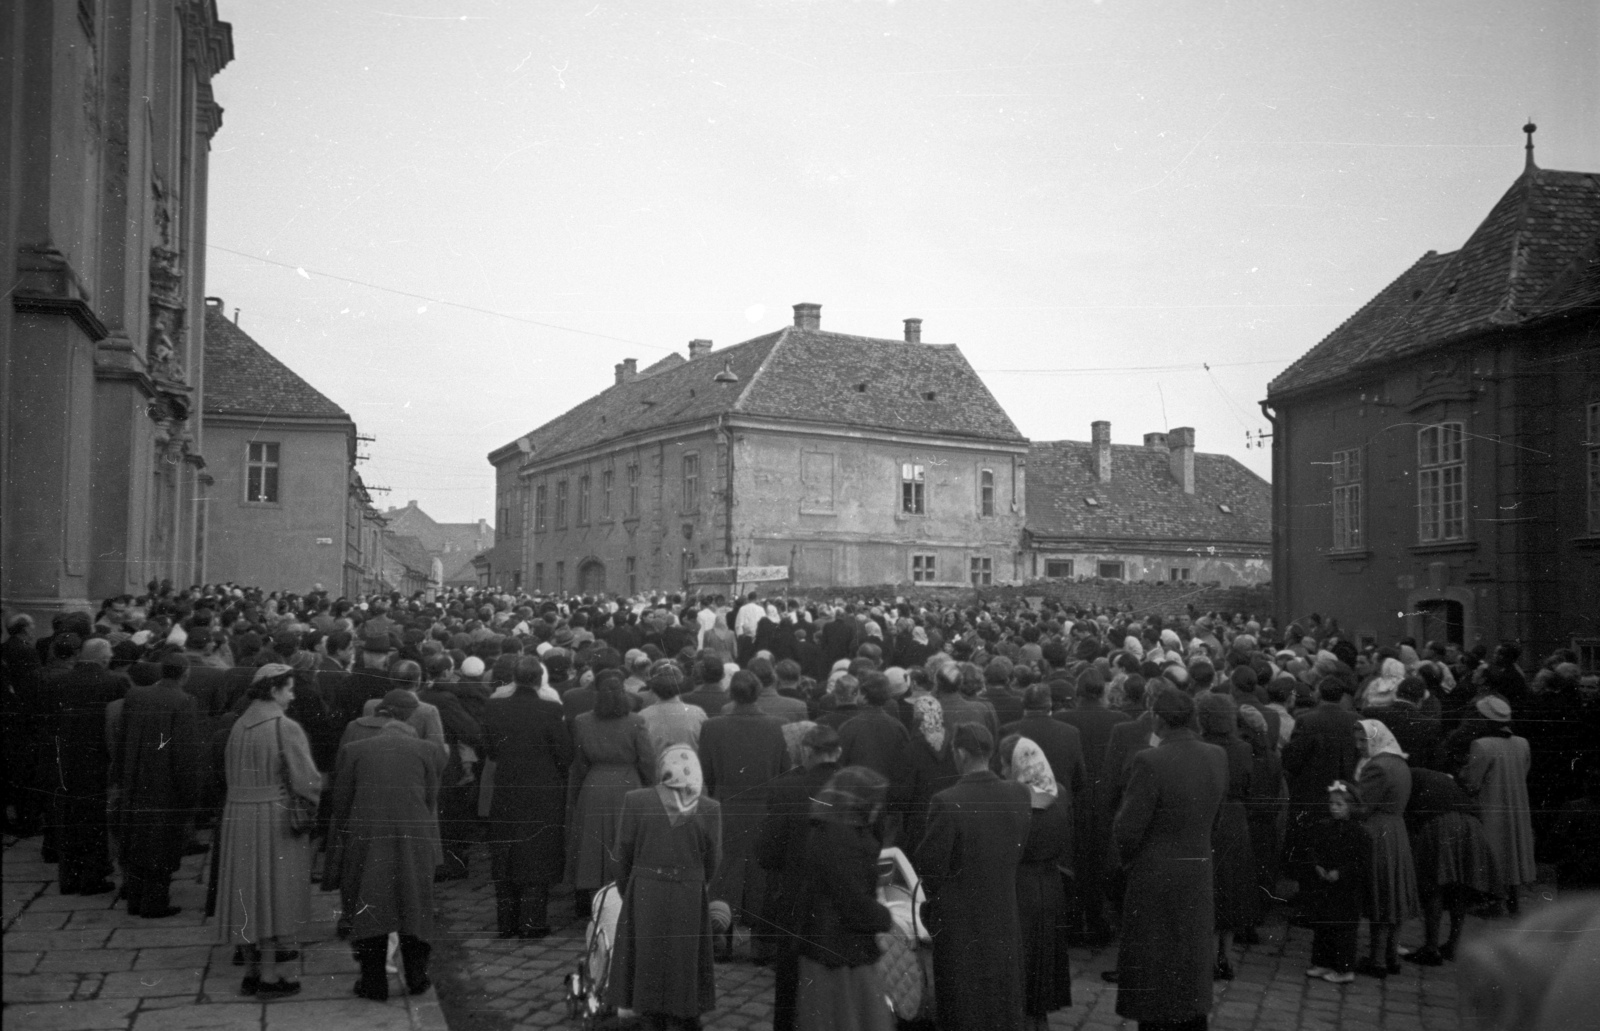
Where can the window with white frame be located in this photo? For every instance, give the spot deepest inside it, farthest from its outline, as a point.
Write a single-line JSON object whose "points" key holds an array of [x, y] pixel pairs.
{"points": [[1348, 533], [561, 508], [691, 483], [261, 473], [1058, 568], [541, 504], [986, 492], [608, 482], [913, 488], [1110, 570], [583, 501], [1180, 573], [982, 571], [1441, 482], [633, 489], [923, 569], [1592, 442]]}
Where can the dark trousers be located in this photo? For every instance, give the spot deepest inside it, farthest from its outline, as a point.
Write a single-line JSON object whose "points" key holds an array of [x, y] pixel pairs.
{"points": [[521, 908], [83, 847], [785, 985], [1334, 944], [149, 892], [458, 815], [371, 953]]}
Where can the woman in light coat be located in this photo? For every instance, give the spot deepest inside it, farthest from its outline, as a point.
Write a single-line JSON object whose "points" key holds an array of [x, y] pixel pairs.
{"points": [[264, 873], [1496, 778]]}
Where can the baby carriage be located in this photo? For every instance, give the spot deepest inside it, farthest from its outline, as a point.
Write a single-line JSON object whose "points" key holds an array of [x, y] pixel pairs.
{"points": [[586, 986], [906, 965]]}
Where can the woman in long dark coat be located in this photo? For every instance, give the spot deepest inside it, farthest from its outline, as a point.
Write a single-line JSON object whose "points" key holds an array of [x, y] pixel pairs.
{"points": [[932, 767], [1233, 858], [1384, 781], [1041, 896], [383, 843], [968, 861], [1163, 834], [668, 846], [527, 739], [840, 916], [612, 756]]}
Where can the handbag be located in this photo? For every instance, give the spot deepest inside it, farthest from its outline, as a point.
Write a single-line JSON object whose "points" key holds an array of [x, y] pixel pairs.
{"points": [[302, 814]]}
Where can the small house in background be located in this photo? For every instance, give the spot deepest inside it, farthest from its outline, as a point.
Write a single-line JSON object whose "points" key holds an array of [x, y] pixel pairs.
{"points": [[1436, 458], [286, 510], [1158, 512]]}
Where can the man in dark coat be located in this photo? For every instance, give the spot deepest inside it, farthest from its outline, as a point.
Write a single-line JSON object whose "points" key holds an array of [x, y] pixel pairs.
{"points": [[968, 862], [1092, 820], [1320, 751], [26, 730], [383, 844], [156, 764], [781, 841], [527, 739], [1163, 835], [1061, 742], [711, 695], [741, 754], [457, 800], [82, 764], [997, 691]]}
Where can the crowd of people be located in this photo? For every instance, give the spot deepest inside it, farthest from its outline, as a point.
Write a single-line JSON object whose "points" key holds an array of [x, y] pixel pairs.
{"points": [[1056, 776]]}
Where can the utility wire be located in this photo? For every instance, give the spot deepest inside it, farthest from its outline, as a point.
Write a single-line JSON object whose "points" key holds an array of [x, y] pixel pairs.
{"points": [[434, 300]]}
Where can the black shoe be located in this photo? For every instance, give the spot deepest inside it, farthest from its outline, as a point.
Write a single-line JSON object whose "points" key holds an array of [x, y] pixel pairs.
{"points": [[279, 989], [374, 996], [196, 848], [420, 987], [1447, 951], [250, 985], [287, 955], [160, 914], [1223, 971], [1372, 969], [238, 955]]}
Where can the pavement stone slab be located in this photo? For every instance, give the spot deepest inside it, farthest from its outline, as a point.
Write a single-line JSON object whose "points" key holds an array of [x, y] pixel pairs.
{"points": [[148, 937], [178, 957], [38, 921], [48, 941], [144, 983], [84, 961], [202, 1017], [22, 988], [330, 1014], [71, 1016]]}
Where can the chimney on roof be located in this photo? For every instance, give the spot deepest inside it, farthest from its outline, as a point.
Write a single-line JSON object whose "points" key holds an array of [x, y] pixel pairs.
{"points": [[1180, 456], [1155, 440], [808, 316], [1100, 434], [699, 349], [913, 331], [483, 529], [627, 369]]}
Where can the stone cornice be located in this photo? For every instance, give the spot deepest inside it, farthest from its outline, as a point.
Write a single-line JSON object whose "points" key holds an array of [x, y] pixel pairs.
{"points": [[47, 284], [209, 39], [74, 308]]}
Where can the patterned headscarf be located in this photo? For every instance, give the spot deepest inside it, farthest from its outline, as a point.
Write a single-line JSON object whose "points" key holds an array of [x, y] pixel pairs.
{"points": [[1029, 766], [1380, 741], [929, 716], [679, 780]]}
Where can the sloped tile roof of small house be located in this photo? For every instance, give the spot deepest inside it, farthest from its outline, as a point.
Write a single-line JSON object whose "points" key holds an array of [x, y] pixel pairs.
{"points": [[1534, 256], [243, 378], [409, 550], [1142, 501], [793, 374]]}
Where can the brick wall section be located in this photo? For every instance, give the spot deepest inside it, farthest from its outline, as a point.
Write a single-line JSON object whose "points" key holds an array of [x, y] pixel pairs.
{"points": [[1153, 598]]}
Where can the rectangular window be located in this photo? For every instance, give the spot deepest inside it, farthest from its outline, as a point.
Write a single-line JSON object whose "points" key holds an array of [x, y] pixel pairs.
{"points": [[922, 569], [986, 492], [1179, 573], [1588, 649], [583, 501], [1058, 568], [1441, 482], [561, 504], [261, 474], [691, 483], [541, 497], [1110, 570], [561, 577], [538, 576], [913, 485], [1592, 441], [633, 490], [608, 481], [633, 575], [1347, 479], [982, 570]]}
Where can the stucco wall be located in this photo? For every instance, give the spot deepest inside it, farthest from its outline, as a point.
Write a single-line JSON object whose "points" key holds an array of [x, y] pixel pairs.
{"points": [[1204, 565], [276, 546], [830, 505]]}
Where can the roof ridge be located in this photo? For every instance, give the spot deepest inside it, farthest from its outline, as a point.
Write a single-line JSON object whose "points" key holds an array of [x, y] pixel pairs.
{"points": [[1506, 310], [744, 392]]}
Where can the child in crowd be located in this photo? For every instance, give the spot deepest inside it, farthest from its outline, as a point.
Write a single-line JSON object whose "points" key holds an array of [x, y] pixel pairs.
{"points": [[1339, 858]]}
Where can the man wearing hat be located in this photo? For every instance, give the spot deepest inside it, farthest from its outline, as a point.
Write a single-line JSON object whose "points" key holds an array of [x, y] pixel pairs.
{"points": [[370, 679]]}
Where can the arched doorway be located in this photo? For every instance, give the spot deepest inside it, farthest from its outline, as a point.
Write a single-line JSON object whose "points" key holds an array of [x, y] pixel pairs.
{"points": [[592, 577]]}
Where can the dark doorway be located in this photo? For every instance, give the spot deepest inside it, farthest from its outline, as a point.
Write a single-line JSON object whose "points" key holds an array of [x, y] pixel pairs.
{"points": [[1443, 620], [592, 577]]}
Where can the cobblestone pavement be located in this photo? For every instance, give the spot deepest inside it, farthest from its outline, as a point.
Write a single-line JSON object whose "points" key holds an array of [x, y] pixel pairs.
{"points": [[498, 984], [76, 963]]}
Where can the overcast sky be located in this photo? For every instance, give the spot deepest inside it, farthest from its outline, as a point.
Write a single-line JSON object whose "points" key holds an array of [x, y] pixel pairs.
{"points": [[1135, 189]]}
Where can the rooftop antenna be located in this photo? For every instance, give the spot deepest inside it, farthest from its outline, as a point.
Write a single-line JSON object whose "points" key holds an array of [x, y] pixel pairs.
{"points": [[1530, 129]]}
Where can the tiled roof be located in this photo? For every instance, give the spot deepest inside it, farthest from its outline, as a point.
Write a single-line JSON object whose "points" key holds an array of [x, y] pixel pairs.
{"points": [[808, 375], [1142, 501], [409, 550], [1533, 256], [464, 573], [242, 378]]}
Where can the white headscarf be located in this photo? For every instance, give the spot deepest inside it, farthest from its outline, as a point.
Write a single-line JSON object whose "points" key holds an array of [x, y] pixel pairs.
{"points": [[1380, 741], [707, 620], [679, 781], [1029, 766], [1385, 687]]}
